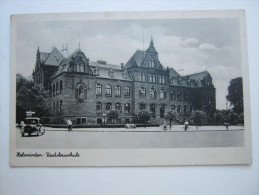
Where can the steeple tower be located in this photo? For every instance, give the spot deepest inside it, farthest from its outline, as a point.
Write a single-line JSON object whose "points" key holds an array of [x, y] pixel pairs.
{"points": [[38, 58], [151, 48]]}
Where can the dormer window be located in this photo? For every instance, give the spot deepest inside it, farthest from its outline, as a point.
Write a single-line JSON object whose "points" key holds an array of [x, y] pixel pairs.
{"points": [[151, 64], [80, 66], [180, 81], [111, 73]]}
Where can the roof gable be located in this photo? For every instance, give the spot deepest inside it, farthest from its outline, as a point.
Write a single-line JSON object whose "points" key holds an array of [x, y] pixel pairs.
{"points": [[54, 58]]}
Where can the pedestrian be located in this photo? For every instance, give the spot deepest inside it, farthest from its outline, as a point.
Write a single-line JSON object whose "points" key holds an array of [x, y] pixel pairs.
{"points": [[69, 125], [186, 124], [227, 125]]}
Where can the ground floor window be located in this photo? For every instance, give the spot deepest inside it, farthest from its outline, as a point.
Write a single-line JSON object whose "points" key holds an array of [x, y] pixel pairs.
{"points": [[162, 111], [153, 110], [142, 106]]}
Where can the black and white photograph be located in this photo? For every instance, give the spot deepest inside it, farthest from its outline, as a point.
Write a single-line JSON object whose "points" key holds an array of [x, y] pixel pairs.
{"points": [[129, 89]]}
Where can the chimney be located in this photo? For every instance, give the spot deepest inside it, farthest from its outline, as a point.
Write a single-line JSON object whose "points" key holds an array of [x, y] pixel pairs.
{"points": [[122, 65]]}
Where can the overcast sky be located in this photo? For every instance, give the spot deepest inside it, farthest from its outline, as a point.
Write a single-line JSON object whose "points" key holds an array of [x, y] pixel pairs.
{"points": [[189, 44]]}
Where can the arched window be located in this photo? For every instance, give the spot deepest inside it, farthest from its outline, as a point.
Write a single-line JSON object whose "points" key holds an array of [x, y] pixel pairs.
{"points": [[108, 90], [98, 106], [153, 110], [152, 93], [108, 106], [142, 106], [118, 106], [127, 108], [179, 109], [117, 90], [61, 87], [172, 107], [185, 109], [61, 106], [162, 111], [142, 92], [172, 95], [162, 93], [98, 89], [127, 91]]}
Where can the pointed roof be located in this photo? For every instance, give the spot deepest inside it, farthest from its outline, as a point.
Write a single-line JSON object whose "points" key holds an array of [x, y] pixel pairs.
{"points": [[64, 65], [151, 48], [137, 58], [54, 58]]}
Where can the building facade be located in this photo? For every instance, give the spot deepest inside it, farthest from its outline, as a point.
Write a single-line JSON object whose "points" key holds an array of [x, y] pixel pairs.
{"points": [[85, 91]]}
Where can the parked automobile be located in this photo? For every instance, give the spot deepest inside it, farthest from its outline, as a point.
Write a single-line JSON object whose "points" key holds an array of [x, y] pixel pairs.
{"points": [[32, 125]]}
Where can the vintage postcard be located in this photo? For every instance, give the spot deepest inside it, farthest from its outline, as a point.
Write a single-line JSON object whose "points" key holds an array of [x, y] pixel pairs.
{"points": [[129, 89]]}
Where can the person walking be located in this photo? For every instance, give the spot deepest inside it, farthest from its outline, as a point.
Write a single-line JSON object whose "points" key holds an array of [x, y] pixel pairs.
{"points": [[186, 125], [69, 125]]}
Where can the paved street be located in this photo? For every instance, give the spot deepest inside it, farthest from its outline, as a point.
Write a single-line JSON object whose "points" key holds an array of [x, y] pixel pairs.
{"points": [[151, 137]]}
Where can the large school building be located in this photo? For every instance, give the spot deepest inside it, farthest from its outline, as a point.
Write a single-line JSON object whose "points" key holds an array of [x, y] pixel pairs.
{"points": [[84, 91]]}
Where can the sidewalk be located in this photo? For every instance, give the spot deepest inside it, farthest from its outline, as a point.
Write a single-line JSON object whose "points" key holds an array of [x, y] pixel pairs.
{"points": [[175, 128]]}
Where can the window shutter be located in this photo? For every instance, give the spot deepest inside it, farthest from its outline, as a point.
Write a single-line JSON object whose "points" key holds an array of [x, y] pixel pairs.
{"points": [[76, 93]]}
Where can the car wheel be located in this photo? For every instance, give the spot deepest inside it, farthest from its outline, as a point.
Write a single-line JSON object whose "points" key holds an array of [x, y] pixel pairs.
{"points": [[23, 134]]}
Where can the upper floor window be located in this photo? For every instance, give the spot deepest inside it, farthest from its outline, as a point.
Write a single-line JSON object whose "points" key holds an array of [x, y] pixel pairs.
{"points": [[180, 81], [152, 93], [172, 107], [117, 90], [162, 94], [57, 88], [127, 91], [179, 95], [61, 87], [152, 78], [98, 89], [142, 77], [54, 89], [151, 64], [98, 106], [80, 66], [142, 92], [172, 95], [108, 90], [163, 80]]}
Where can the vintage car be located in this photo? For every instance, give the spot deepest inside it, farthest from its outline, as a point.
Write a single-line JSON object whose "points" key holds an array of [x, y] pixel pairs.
{"points": [[32, 125]]}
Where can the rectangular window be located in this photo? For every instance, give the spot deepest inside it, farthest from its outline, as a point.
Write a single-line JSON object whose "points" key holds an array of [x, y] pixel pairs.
{"points": [[117, 90], [163, 80], [83, 120], [127, 91], [78, 120], [154, 79]]}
